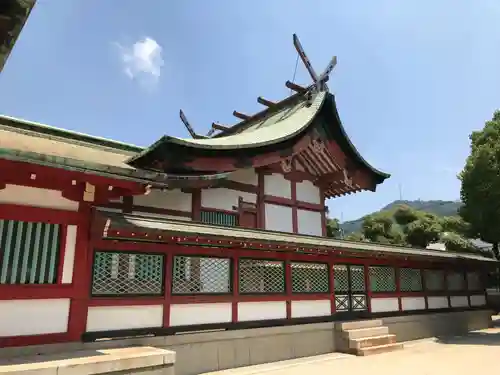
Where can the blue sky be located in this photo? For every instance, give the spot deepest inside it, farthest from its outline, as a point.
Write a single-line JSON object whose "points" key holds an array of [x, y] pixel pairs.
{"points": [[413, 79]]}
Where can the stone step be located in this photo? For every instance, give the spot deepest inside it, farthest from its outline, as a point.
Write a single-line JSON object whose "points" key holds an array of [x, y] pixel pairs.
{"points": [[365, 332], [366, 342], [358, 324], [379, 349]]}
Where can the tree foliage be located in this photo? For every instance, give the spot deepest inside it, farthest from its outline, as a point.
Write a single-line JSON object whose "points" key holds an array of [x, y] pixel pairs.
{"points": [[480, 190], [333, 228]]}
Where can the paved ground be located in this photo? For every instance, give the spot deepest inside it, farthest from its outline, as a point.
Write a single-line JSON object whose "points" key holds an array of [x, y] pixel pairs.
{"points": [[475, 353]]}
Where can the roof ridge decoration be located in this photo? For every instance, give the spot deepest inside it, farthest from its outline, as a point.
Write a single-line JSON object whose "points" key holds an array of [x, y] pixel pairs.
{"points": [[318, 85]]}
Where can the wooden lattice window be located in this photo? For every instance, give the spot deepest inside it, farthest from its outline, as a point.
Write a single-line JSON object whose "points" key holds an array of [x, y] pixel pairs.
{"points": [[29, 252], [434, 280], [382, 279], [455, 281], [219, 218], [474, 281], [410, 280], [310, 277], [125, 273], [201, 275], [261, 276]]}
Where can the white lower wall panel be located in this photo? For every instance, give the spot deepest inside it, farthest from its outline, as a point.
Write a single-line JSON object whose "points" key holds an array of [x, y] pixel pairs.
{"points": [[33, 317], [459, 301], [384, 304], [302, 309], [478, 300], [413, 303], [107, 318], [248, 311], [440, 302], [200, 313]]}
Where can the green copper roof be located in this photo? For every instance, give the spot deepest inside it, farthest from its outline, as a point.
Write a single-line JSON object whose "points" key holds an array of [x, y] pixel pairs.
{"points": [[278, 127], [260, 236]]}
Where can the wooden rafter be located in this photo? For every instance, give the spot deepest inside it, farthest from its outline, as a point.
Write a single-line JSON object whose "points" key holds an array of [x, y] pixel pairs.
{"points": [[217, 126], [265, 102], [295, 87], [240, 115]]}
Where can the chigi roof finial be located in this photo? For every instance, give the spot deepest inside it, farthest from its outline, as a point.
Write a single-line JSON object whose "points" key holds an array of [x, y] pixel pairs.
{"points": [[319, 81]]}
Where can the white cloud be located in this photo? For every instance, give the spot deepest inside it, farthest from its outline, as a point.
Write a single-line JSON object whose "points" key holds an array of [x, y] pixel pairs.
{"points": [[142, 61]]}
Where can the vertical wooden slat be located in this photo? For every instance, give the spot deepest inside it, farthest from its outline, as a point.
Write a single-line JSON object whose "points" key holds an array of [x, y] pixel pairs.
{"points": [[45, 253], [7, 247], [35, 252], [17, 251], [54, 252], [26, 253], [2, 246]]}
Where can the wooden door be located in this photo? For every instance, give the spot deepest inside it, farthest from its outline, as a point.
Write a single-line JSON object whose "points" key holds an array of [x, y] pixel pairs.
{"points": [[247, 214]]}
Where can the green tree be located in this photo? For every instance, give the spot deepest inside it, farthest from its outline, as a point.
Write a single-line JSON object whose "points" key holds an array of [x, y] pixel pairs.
{"points": [[404, 215], [423, 231], [356, 236], [377, 227], [456, 224], [456, 242], [333, 228], [480, 190]]}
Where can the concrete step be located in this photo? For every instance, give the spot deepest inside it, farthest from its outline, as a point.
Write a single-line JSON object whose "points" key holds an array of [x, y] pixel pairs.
{"points": [[365, 332], [379, 349], [367, 342], [358, 324]]}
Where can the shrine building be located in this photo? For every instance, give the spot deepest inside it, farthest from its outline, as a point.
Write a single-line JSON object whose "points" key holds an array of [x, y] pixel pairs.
{"points": [[102, 239]]}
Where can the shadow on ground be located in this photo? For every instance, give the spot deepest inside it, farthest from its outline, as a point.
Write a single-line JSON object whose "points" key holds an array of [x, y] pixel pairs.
{"points": [[485, 337], [473, 338]]}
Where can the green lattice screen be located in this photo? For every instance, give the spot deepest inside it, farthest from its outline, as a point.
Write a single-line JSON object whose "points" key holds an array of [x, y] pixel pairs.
{"points": [[261, 276], [219, 218], [310, 277], [120, 273], [410, 280], [29, 252], [382, 279]]}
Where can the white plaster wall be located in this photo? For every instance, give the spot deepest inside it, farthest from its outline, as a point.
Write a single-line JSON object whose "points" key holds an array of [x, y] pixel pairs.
{"points": [[307, 192], [169, 199], [301, 309], [413, 303], [278, 218], [245, 176], [459, 301], [69, 254], [200, 313], [33, 316], [29, 196], [275, 184], [250, 311], [224, 199], [309, 222], [105, 318], [478, 300], [440, 302], [384, 304]]}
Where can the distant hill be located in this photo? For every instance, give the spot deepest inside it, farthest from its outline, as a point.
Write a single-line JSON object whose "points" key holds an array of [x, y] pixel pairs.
{"points": [[440, 208]]}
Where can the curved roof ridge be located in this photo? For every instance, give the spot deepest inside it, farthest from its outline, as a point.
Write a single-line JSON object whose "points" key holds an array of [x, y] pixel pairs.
{"points": [[281, 126]]}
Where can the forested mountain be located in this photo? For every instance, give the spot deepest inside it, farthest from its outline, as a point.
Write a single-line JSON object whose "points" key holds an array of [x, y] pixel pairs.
{"points": [[437, 207]]}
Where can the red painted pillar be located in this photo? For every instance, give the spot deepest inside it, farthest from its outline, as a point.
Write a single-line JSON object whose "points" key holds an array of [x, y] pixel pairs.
{"points": [[82, 274], [169, 266], [288, 288], [236, 287], [398, 287]]}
